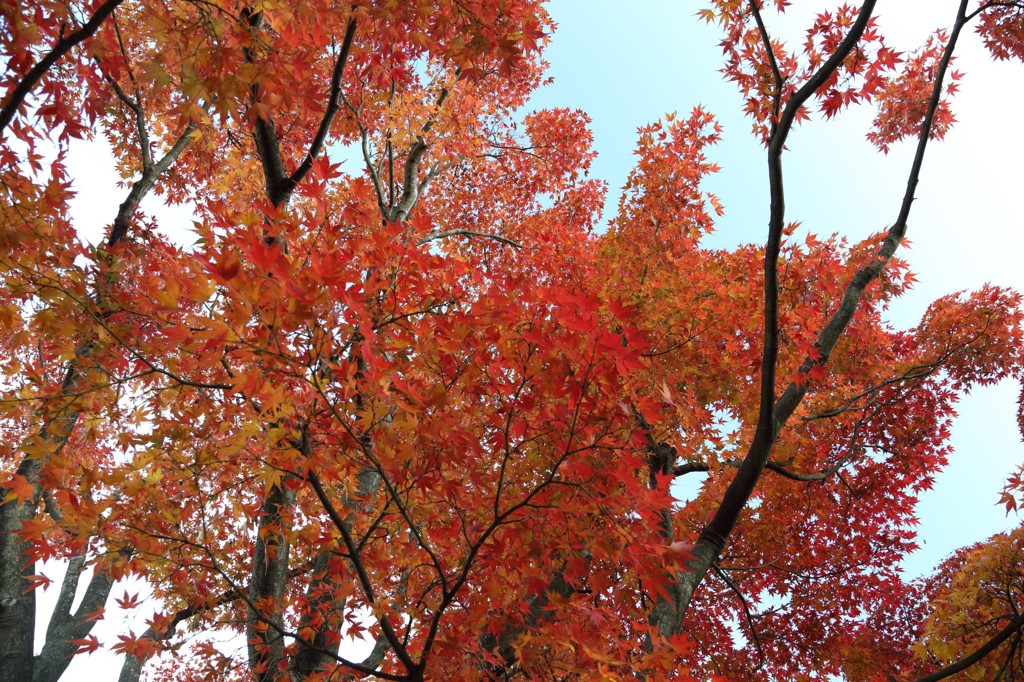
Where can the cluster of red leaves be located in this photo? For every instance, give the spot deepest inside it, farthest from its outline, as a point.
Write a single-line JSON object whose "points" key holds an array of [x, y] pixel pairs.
{"points": [[1001, 27], [904, 99], [874, 72]]}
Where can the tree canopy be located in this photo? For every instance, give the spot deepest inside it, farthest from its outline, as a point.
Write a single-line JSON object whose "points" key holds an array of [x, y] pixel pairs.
{"points": [[422, 420]]}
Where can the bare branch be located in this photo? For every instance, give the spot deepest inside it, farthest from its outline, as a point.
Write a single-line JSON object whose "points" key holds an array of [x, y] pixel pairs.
{"points": [[443, 234], [746, 611]]}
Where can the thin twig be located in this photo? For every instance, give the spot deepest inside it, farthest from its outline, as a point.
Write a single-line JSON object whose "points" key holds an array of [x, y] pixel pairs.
{"points": [[442, 234], [746, 611]]}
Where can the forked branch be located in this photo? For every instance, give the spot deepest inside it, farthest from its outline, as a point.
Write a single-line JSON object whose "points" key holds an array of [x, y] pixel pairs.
{"points": [[773, 414]]}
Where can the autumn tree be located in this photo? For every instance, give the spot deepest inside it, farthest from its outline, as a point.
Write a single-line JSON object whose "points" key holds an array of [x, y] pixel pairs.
{"points": [[424, 403]]}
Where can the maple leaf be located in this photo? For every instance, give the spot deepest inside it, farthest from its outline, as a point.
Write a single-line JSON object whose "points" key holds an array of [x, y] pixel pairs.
{"points": [[20, 489], [86, 645], [127, 601], [36, 582], [679, 553]]}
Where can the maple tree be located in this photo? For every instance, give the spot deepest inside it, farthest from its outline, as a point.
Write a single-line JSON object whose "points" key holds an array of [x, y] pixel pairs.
{"points": [[425, 404]]}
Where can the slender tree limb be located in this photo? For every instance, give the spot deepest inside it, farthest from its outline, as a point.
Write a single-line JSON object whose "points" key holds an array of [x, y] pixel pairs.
{"points": [[713, 537], [851, 450], [444, 234], [87, 350], [782, 469], [136, 104], [333, 102], [140, 120], [994, 3], [142, 186], [775, 414], [371, 169], [63, 46], [131, 669], [830, 335], [746, 611], [1012, 628], [916, 372], [364, 579], [743, 484], [772, 61]]}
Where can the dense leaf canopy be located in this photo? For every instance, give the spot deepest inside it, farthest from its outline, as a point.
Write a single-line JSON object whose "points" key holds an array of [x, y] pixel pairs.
{"points": [[425, 405]]}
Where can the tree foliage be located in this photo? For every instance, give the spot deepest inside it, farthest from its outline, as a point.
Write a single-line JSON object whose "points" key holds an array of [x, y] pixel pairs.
{"points": [[424, 405]]}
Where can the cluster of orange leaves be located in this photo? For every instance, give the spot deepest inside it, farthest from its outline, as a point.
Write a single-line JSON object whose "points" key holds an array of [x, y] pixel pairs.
{"points": [[442, 422]]}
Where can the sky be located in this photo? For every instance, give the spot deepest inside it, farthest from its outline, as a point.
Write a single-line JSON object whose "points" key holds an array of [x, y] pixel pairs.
{"points": [[627, 64]]}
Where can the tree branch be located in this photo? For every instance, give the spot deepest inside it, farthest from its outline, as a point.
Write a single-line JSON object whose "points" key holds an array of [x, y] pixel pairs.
{"points": [[140, 120], [62, 47], [772, 62], [774, 416], [142, 186], [1013, 627], [364, 578], [916, 372], [131, 669], [64, 627], [443, 234], [766, 432], [411, 186], [333, 101], [746, 611]]}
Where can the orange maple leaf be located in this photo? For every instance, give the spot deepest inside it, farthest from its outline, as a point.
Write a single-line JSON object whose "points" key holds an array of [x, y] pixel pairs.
{"points": [[20, 489]]}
